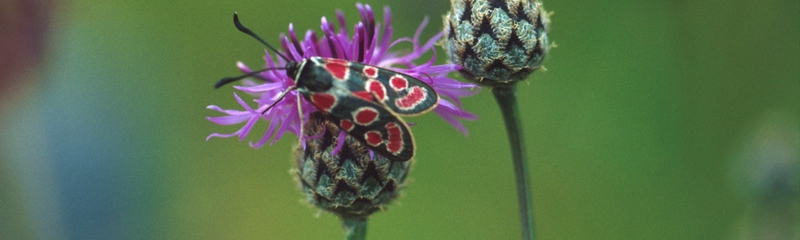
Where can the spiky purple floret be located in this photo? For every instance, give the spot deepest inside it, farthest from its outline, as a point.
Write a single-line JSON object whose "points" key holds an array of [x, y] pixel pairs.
{"points": [[369, 44]]}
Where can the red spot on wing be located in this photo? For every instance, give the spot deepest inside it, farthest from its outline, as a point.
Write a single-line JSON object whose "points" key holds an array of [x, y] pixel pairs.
{"points": [[337, 68], [415, 96], [398, 82], [395, 142], [373, 138], [376, 87], [347, 125], [363, 95], [365, 116], [371, 72], [323, 101]]}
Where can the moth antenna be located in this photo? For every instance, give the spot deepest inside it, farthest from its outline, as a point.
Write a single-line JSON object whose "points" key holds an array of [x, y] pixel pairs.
{"points": [[243, 29], [227, 80], [283, 94]]}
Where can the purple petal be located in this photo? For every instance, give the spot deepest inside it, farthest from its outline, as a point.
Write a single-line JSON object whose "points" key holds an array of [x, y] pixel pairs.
{"points": [[339, 143], [293, 36], [387, 31], [243, 67], [288, 48], [342, 23], [261, 88], [451, 113], [220, 135], [229, 112], [228, 120], [370, 50]]}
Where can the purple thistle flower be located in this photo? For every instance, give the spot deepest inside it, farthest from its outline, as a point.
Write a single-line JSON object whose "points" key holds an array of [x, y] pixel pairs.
{"points": [[369, 44]]}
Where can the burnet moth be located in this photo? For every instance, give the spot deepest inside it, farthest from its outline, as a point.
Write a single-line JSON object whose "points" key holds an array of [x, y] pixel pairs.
{"points": [[365, 101]]}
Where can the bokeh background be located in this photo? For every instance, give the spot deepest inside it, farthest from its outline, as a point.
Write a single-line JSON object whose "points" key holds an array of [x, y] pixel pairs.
{"points": [[655, 120]]}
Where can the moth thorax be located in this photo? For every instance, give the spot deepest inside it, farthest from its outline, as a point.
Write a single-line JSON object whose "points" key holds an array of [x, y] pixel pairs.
{"points": [[313, 78]]}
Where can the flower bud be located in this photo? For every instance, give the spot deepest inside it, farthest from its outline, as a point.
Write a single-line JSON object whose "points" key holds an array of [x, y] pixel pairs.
{"points": [[350, 181], [498, 42]]}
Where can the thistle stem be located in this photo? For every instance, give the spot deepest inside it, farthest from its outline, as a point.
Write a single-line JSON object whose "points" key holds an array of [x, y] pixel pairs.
{"points": [[508, 106], [354, 228]]}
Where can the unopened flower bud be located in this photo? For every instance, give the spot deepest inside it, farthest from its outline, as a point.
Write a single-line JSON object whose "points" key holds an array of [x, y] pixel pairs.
{"points": [[498, 42]]}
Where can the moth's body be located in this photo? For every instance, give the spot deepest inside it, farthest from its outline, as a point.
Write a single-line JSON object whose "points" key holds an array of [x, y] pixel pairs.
{"points": [[366, 101]]}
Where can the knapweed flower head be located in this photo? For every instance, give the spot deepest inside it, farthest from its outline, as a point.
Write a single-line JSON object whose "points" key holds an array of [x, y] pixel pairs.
{"points": [[369, 44], [498, 42], [337, 172], [350, 183]]}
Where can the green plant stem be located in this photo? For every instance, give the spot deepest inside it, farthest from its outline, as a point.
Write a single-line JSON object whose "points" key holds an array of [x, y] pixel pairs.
{"points": [[354, 228], [507, 101]]}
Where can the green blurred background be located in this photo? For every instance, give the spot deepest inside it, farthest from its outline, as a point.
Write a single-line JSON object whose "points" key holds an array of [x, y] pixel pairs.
{"points": [[642, 128]]}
